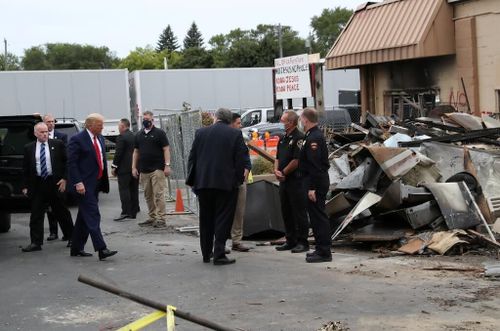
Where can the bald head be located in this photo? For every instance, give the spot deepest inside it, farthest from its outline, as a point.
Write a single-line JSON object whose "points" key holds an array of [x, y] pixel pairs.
{"points": [[41, 132]]}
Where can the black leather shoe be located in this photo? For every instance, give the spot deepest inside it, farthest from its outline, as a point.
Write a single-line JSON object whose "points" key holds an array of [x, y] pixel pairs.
{"points": [[32, 248], [223, 261], [79, 253], [285, 247], [300, 248], [206, 260], [317, 258], [311, 253], [104, 253], [121, 218], [52, 236]]}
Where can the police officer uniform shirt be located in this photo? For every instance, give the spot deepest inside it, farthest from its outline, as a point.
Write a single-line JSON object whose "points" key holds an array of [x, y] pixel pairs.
{"points": [[289, 149]]}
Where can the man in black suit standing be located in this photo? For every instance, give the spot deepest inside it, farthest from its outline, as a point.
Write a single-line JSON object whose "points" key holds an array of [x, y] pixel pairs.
{"points": [[128, 185], [50, 121], [45, 172], [216, 170]]}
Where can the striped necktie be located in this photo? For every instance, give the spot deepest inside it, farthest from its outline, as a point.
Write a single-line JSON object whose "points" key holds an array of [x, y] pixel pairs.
{"points": [[43, 162]]}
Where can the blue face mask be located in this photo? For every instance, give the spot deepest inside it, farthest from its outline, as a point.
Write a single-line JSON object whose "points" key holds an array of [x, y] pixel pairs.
{"points": [[147, 124]]}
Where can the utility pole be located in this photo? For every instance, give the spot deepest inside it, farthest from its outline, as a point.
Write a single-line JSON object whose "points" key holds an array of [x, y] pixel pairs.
{"points": [[5, 56], [280, 40]]}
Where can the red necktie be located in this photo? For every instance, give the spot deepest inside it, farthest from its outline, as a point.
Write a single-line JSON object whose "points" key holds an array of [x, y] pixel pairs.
{"points": [[99, 158]]}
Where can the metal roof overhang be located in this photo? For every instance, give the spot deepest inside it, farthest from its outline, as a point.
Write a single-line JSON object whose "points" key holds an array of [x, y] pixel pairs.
{"points": [[394, 30]]}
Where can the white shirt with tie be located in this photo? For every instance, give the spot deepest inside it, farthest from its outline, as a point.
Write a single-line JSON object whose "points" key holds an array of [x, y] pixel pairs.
{"points": [[99, 145], [48, 163]]}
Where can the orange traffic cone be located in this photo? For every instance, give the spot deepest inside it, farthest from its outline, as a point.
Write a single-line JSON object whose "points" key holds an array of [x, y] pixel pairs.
{"points": [[179, 204]]}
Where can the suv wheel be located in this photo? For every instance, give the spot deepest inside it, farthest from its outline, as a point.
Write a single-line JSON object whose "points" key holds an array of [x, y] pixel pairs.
{"points": [[4, 222]]}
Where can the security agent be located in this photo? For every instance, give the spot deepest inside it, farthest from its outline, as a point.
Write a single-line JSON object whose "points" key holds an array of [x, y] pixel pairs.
{"points": [[292, 192], [314, 167]]}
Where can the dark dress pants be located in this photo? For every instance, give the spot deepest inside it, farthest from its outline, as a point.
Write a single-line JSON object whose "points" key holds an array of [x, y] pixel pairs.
{"points": [[217, 209], [45, 193], [88, 221], [128, 187], [319, 220], [293, 198]]}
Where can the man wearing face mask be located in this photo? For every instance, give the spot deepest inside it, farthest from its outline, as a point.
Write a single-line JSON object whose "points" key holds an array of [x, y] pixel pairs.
{"points": [[151, 160], [292, 191]]}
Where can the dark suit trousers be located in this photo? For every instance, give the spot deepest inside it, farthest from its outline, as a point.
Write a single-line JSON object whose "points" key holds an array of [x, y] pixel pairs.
{"points": [[45, 193], [88, 221], [293, 198], [128, 186], [217, 209], [319, 220], [53, 219]]}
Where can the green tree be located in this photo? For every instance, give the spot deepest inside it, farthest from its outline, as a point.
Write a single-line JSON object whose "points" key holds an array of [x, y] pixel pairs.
{"points": [[60, 56], [12, 62], [143, 58], [327, 27], [195, 57], [193, 38], [35, 59], [167, 41]]}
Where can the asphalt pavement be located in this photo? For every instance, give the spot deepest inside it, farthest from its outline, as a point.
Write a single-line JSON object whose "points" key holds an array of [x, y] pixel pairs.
{"points": [[264, 290]]}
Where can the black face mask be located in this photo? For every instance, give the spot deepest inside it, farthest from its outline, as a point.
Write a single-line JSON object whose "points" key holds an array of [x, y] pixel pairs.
{"points": [[147, 124]]}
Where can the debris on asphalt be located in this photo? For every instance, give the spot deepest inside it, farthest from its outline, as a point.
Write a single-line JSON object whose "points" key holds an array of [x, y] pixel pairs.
{"points": [[429, 185]]}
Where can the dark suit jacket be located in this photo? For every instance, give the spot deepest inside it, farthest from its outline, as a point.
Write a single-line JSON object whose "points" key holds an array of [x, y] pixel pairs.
{"points": [[123, 153], [217, 158], [82, 163], [57, 160], [61, 136]]}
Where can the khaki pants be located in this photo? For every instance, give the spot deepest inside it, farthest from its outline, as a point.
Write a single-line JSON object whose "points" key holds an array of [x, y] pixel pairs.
{"points": [[237, 229], [155, 184]]}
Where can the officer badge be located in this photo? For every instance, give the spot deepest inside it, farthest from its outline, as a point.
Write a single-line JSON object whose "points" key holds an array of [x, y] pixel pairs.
{"points": [[291, 142], [300, 143], [314, 146]]}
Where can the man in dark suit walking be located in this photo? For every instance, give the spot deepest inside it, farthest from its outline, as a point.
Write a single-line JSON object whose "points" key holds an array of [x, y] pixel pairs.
{"points": [[128, 185], [50, 121], [88, 176], [44, 166], [216, 170]]}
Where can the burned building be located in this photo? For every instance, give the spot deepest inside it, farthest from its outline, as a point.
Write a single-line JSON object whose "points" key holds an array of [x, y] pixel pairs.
{"points": [[414, 55]]}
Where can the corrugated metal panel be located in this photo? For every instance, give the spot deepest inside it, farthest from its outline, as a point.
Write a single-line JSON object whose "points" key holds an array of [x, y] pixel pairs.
{"points": [[389, 31]]}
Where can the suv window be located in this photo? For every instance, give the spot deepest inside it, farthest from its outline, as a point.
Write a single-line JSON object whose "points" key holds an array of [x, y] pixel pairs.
{"points": [[13, 137], [251, 119]]}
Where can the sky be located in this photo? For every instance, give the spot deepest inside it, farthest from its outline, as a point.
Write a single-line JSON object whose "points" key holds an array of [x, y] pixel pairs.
{"points": [[123, 25]]}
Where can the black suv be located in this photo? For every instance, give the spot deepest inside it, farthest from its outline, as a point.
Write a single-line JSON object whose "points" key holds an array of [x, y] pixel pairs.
{"points": [[15, 132]]}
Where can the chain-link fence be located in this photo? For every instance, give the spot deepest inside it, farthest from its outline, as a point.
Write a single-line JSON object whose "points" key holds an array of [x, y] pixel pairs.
{"points": [[180, 127]]}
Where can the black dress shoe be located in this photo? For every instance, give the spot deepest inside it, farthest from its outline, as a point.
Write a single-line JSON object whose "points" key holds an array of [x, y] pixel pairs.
{"points": [[206, 260], [120, 218], [285, 247], [79, 253], [317, 258], [300, 248], [32, 248], [223, 261], [52, 236], [104, 253]]}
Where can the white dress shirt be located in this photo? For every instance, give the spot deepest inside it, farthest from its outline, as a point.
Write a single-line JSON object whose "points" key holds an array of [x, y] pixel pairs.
{"points": [[47, 158]]}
